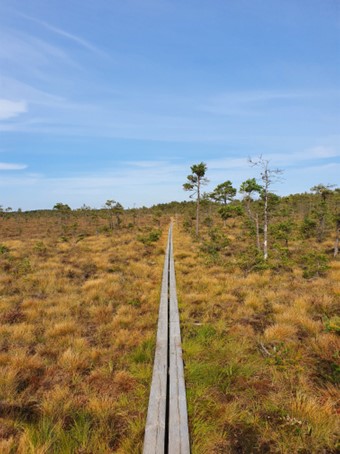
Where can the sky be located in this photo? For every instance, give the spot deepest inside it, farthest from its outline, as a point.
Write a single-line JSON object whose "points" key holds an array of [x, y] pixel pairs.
{"points": [[117, 99]]}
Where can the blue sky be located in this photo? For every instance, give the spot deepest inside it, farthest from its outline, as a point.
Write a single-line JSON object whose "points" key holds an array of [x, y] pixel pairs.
{"points": [[116, 99]]}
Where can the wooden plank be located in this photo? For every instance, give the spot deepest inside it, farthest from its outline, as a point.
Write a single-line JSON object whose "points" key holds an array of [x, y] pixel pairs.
{"points": [[154, 439], [178, 417]]}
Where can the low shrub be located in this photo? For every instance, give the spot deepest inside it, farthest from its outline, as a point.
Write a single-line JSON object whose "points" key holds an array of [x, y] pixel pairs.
{"points": [[314, 264], [152, 237]]}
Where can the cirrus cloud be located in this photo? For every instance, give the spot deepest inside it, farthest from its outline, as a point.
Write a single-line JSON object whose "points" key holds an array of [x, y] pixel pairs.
{"points": [[12, 166], [10, 109]]}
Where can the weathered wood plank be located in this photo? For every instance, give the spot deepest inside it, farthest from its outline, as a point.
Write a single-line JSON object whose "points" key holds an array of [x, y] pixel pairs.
{"points": [[167, 420], [178, 416], [154, 439]]}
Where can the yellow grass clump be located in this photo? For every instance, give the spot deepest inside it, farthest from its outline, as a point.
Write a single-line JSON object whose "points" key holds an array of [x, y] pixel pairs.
{"points": [[78, 313]]}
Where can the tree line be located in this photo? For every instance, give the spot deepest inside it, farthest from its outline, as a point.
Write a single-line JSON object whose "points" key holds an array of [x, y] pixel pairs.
{"points": [[258, 202]]}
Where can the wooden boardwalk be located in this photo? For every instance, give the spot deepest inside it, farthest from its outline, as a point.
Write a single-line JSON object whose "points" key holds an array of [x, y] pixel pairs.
{"points": [[166, 428]]}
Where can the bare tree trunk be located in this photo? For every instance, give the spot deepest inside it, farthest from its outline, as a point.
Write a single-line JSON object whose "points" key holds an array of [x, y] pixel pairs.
{"points": [[268, 176], [336, 244], [198, 206], [256, 219], [265, 227]]}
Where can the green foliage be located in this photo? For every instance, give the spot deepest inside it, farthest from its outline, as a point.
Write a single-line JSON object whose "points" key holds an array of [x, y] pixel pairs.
{"points": [[152, 237], [322, 211], [314, 264], [273, 199], [279, 355], [40, 248], [48, 436], [23, 266], [336, 219], [282, 230], [3, 249], [230, 211], [223, 193], [42, 434], [333, 324], [104, 229], [62, 207], [308, 227], [113, 205], [187, 224], [81, 236], [199, 169], [196, 178], [143, 353], [250, 187], [217, 242], [208, 221], [250, 228], [282, 258], [203, 334], [114, 209], [252, 260], [328, 371], [323, 190], [134, 303]]}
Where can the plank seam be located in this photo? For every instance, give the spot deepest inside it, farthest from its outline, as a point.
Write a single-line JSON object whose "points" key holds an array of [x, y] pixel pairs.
{"points": [[167, 420]]}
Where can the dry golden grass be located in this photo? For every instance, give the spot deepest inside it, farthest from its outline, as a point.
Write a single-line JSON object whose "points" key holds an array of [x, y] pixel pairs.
{"points": [[262, 367], [78, 316], [78, 313]]}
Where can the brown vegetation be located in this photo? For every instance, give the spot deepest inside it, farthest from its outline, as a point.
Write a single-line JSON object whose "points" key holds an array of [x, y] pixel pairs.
{"points": [[78, 312], [260, 348]]}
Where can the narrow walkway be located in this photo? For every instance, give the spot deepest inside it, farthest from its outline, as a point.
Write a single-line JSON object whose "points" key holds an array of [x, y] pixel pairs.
{"points": [[166, 428]]}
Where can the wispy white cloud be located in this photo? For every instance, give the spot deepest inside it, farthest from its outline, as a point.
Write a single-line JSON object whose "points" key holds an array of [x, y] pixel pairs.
{"points": [[10, 109], [34, 58], [159, 116], [254, 102], [12, 166], [44, 99], [15, 88], [289, 159], [80, 41], [124, 182], [323, 151], [145, 164], [147, 182], [303, 157]]}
